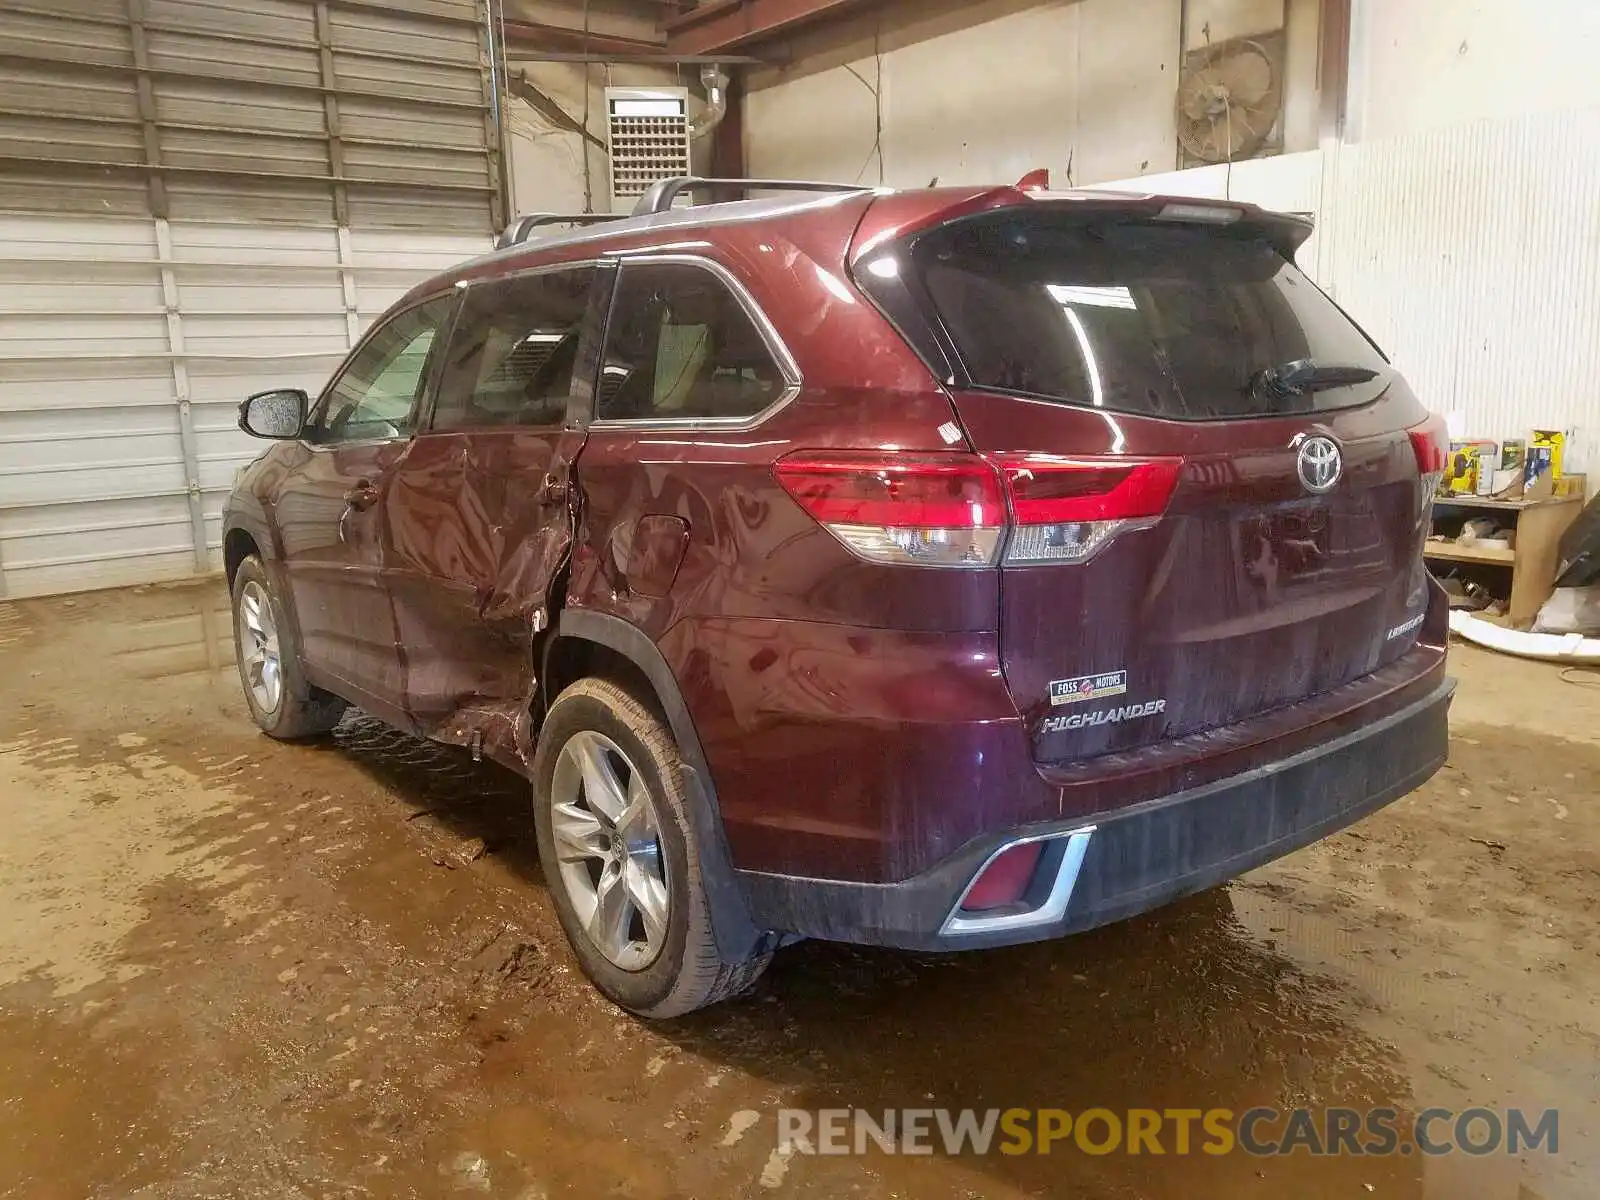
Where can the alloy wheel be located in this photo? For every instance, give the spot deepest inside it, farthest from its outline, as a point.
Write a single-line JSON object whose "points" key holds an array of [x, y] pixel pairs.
{"points": [[259, 648], [607, 839]]}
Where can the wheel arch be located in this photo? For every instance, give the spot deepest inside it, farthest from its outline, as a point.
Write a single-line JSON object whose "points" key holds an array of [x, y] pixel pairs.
{"points": [[628, 648], [238, 544], [242, 536]]}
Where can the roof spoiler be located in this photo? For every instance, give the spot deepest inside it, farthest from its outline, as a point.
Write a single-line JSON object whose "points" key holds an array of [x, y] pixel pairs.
{"points": [[904, 215]]}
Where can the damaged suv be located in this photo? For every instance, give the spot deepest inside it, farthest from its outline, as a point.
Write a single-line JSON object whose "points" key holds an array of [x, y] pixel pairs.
{"points": [[938, 569]]}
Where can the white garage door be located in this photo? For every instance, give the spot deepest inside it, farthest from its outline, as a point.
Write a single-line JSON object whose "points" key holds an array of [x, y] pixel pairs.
{"points": [[200, 199]]}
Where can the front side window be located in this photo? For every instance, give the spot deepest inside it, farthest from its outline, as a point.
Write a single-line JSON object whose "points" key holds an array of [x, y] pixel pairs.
{"points": [[513, 353], [378, 393], [682, 347]]}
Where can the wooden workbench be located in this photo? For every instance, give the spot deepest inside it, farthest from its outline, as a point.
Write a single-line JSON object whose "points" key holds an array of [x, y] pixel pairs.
{"points": [[1533, 560]]}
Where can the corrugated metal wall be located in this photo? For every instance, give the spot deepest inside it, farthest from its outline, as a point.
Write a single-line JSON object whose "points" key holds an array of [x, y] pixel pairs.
{"points": [[199, 199], [1471, 254], [126, 346], [341, 111]]}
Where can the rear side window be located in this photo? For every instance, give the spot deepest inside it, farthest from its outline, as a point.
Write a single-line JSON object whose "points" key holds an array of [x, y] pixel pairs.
{"points": [[1138, 317], [681, 346], [513, 352]]}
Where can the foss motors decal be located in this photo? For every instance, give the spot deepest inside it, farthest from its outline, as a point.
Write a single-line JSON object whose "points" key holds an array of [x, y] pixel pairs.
{"points": [[1088, 687], [1095, 687]]}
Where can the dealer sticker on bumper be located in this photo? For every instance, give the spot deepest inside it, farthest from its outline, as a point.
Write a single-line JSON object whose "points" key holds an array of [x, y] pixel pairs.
{"points": [[1088, 687]]}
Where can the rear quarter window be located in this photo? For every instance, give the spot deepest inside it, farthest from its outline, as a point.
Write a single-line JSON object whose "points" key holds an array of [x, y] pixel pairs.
{"points": [[1133, 316], [681, 346]]}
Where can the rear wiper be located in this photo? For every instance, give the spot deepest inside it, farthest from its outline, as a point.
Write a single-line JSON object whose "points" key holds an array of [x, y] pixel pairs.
{"points": [[1304, 376]]}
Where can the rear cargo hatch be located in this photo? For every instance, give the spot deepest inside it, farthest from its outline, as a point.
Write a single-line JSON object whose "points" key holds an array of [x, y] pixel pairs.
{"points": [[1217, 502]]}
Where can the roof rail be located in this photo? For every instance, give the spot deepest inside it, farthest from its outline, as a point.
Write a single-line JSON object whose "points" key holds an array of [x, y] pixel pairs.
{"points": [[662, 194], [522, 228]]}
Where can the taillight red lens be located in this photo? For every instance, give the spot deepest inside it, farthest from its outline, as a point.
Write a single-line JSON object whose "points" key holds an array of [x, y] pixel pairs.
{"points": [[895, 491], [924, 510], [1431, 442], [1047, 490]]}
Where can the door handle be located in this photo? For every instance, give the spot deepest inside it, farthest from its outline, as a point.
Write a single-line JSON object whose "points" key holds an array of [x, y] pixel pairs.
{"points": [[362, 497]]}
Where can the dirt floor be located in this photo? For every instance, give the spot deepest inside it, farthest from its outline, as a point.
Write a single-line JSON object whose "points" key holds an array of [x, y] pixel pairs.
{"points": [[230, 967]]}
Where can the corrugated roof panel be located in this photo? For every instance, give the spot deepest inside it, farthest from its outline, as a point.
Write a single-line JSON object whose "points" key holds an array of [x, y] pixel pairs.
{"points": [[275, 22], [209, 56], [244, 152], [395, 208], [236, 106], [410, 80], [47, 90], [395, 121], [109, 194], [287, 202], [56, 138], [455, 10], [402, 165], [91, 11], [399, 36], [57, 36]]}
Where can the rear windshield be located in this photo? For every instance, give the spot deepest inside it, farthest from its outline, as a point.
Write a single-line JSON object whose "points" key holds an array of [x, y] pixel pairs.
{"points": [[1162, 320]]}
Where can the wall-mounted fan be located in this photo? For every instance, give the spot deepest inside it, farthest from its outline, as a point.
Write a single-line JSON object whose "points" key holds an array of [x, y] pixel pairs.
{"points": [[1229, 96]]}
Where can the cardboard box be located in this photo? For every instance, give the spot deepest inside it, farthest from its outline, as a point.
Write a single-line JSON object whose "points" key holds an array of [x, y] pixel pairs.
{"points": [[1546, 456], [1467, 461]]}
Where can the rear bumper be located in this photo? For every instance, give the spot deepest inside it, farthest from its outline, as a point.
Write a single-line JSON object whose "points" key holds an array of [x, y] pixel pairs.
{"points": [[1132, 859]]}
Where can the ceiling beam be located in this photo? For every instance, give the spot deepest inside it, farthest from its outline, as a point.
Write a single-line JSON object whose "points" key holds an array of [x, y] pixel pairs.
{"points": [[536, 41], [723, 24], [521, 34], [660, 58]]}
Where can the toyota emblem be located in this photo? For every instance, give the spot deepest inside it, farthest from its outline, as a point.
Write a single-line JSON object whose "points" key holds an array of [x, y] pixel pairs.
{"points": [[1321, 464]]}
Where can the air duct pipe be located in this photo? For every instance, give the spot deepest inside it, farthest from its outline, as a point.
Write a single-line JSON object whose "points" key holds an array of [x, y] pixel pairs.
{"points": [[715, 80]]}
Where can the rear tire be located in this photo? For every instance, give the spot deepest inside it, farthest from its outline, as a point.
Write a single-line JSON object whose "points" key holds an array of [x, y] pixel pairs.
{"points": [[281, 702], [602, 751]]}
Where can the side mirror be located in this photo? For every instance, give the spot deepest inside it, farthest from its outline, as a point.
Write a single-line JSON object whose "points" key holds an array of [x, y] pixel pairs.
{"points": [[279, 414]]}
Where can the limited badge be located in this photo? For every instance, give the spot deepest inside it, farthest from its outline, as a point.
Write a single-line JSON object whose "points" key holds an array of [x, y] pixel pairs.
{"points": [[1399, 631], [1088, 687]]}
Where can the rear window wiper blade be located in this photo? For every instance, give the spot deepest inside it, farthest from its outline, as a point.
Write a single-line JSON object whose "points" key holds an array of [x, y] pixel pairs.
{"points": [[1304, 376]]}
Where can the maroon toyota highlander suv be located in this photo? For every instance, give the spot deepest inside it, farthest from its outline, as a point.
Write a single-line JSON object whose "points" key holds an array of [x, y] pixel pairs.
{"points": [[938, 569]]}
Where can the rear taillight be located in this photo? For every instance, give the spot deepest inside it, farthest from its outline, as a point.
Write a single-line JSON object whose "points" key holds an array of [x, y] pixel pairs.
{"points": [[1431, 441], [1068, 509], [956, 510], [932, 510]]}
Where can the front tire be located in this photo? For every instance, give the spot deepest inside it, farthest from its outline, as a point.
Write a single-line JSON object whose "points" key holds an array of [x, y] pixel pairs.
{"points": [[281, 702], [621, 856]]}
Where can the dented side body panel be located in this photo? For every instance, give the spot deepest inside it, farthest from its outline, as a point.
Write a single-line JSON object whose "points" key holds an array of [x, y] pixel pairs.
{"points": [[479, 529], [828, 692]]}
